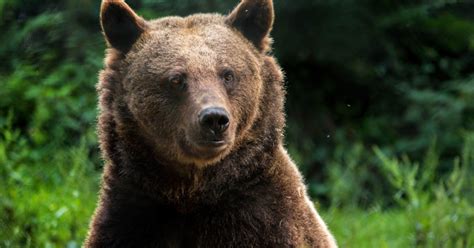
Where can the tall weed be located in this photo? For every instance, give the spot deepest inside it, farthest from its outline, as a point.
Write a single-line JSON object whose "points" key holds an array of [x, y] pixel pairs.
{"points": [[440, 209]]}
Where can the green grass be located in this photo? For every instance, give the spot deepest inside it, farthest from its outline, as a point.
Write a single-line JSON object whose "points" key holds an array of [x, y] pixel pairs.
{"points": [[44, 201], [395, 228], [375, 228]]}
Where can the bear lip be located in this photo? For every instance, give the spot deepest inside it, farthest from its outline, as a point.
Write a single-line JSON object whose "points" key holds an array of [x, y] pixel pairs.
{"points": [[203, 149], [213, 143]]}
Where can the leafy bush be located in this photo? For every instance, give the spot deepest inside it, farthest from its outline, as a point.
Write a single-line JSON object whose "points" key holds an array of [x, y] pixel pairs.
{"points": [[44, 201], [429, 209], [440, 210]]}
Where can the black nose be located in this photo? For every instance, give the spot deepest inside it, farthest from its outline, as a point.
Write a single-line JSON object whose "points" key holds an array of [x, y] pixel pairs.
{"points": [[214, 119]]}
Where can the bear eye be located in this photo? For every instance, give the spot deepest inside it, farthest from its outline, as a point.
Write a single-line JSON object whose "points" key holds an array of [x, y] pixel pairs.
{"points": [[228, 76], [178, 80]]}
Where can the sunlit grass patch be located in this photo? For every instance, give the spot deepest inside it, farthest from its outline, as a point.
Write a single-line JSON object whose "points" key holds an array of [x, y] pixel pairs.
{"points": [[376, 228], [44, 201]]}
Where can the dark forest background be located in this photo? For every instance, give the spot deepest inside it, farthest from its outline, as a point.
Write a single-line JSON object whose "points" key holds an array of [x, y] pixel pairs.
{"points": [[380, 115]]}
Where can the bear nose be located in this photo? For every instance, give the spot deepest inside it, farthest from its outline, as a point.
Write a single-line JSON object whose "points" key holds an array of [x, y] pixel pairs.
{"points": [[214, 119]]}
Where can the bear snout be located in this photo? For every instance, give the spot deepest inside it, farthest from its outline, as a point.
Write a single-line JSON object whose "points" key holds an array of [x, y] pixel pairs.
{"points": [[213, 128], [214, 120]]}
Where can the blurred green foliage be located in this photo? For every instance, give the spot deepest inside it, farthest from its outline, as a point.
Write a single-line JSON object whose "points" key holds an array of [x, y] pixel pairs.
{"points": [[47, 197], [395, 75]]}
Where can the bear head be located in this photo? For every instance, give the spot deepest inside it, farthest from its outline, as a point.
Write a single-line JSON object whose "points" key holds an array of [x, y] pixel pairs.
{"points": [[191, 88]]}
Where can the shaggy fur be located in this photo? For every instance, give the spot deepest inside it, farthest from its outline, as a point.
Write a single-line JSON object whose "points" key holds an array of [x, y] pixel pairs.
{"points": [[161, 189]]}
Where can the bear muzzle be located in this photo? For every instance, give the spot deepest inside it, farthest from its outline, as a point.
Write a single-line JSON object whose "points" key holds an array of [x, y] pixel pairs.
{"points": [[213, 127], [214, 121]]}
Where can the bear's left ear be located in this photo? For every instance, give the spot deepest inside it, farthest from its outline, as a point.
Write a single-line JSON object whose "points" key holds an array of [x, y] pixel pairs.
{"points": [[121, 26], [254, 19]]}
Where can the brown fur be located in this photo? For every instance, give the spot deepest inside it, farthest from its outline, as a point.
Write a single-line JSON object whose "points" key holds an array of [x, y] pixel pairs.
{"points": [[162, 189]]}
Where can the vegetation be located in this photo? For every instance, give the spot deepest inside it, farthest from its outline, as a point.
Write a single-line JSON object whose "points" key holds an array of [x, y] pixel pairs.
{"points": [[380, 116]]}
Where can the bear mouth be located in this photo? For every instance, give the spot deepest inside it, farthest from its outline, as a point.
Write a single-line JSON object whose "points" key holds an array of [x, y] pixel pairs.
{"points": [[203, 149], [212, 143]]}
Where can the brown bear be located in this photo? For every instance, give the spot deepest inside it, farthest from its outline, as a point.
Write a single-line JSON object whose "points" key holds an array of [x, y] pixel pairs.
{"points": [[191, 130]]}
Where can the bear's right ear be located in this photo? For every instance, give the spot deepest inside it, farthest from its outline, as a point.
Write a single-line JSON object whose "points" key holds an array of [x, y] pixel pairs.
{"points": [[121, 26]]}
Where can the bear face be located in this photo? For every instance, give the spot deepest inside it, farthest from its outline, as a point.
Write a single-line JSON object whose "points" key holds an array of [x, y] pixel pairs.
{"points": [[192, 85], [194, 93]]}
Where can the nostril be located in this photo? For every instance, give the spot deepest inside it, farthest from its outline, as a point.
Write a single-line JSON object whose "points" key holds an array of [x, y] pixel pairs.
{"points": [[208, 121], [223, 121]]}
